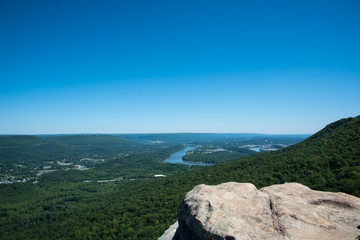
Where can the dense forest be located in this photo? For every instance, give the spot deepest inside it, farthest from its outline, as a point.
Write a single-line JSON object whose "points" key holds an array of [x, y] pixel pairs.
{"points": [[142, 207]]}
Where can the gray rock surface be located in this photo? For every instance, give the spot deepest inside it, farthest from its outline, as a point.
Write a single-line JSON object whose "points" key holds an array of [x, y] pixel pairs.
{"points": [[288, 211], [170, 232]]}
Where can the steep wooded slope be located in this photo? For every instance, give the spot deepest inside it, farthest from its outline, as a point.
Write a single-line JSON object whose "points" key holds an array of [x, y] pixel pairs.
{"points": [[328, 160]]}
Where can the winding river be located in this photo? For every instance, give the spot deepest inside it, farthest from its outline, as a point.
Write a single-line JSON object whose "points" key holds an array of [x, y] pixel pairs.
{"points": [[176, 158]]}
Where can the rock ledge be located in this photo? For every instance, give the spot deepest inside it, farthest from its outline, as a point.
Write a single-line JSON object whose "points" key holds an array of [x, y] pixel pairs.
{"points": [[288, 211]]}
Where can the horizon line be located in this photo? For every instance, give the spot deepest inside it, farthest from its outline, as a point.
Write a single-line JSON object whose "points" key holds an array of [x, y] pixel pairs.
{"points": [[253, 133]]}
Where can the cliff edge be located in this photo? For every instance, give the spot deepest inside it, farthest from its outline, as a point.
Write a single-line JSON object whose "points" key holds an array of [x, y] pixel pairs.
{"points": [[288, 211]]}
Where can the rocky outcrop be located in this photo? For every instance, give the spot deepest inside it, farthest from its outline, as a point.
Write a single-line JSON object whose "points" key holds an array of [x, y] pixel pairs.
{"points": [[287, 211]]}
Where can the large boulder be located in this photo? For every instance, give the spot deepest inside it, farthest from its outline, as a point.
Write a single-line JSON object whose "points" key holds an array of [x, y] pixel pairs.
{"points": [[287, 211]]}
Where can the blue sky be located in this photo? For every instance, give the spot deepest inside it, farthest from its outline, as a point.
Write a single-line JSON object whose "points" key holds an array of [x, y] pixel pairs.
{"points": [[177, 66]]}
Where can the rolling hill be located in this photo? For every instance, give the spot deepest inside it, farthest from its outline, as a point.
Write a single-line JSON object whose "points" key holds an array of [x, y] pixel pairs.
{"points": [[328, 160]]}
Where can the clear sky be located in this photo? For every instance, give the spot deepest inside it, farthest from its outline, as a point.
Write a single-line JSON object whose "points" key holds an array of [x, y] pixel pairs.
{"points": [[177, 66]]}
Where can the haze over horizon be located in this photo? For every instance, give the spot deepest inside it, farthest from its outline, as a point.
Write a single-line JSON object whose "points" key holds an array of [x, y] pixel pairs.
{"points": [[279, 67]]}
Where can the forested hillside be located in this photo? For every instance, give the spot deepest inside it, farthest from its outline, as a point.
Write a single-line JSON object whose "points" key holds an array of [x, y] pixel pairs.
{"points": [[328, 160], [144, 208]]}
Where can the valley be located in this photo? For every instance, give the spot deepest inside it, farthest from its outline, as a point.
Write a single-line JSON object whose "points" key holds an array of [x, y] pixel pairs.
{"points": [[29, 158], [129, 192]]}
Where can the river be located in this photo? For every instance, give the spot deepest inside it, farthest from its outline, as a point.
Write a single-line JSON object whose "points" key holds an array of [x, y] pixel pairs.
{"points": [[255, 149], [176, 158]]}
